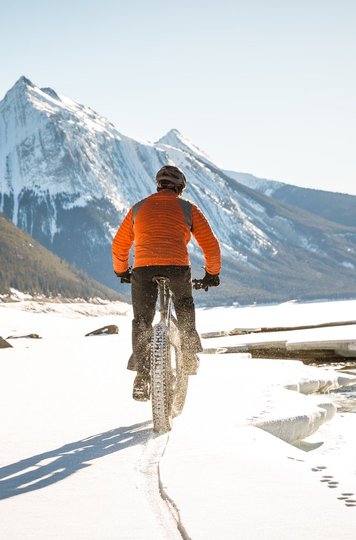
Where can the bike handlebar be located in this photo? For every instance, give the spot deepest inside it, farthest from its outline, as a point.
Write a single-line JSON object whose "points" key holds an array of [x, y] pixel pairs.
{"points": [[199, 284]]}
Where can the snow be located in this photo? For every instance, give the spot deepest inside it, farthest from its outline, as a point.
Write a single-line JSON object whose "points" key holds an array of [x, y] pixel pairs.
{"points": [[348, 264], [175, 139], [257, 453], [264, 185]]}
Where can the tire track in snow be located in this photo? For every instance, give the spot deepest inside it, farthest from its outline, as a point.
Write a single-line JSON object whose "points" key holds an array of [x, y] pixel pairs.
{"points": [[163, 510]]}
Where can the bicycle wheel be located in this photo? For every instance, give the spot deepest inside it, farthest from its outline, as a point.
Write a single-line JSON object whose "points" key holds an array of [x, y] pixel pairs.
{"points": [[181, 378], [180, 392], [161, 380]]}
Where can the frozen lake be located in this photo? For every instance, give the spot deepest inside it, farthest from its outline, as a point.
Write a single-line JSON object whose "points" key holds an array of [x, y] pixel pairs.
{"points": [[262, 437]]}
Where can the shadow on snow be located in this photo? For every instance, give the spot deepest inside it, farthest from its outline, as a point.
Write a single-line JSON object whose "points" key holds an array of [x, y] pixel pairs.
{"points": [[31, 474]]}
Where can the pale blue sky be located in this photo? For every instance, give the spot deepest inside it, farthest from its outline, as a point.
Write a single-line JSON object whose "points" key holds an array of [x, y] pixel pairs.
{"points": [[263, 86]]}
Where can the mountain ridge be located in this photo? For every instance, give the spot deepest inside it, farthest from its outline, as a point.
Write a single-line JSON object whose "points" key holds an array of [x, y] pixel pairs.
{"points": [[30, 268], [332, 205], [68, 177]]}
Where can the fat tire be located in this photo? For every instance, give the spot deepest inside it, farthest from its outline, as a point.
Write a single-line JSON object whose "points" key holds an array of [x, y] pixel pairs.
{"points": [[181, 377], [161, 380], [180, 393]]}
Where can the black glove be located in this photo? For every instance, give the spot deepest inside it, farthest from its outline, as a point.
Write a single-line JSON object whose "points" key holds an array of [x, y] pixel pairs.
{"points": [[125, 277], [210, 280]]}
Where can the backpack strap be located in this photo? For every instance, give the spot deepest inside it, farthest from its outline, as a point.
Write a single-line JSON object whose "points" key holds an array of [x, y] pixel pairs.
{"points": [[135, 209], [187, 211]]}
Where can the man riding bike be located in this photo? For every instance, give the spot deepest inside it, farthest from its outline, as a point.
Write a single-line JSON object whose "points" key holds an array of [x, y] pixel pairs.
{"points": [[160, 226]]}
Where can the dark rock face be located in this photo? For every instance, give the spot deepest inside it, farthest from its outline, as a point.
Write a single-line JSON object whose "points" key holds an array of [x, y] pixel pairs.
{"points": [[4, 344], [28, 336], [104, 331]]}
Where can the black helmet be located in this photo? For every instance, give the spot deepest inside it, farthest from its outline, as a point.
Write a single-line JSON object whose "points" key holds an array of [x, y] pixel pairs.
{"points": [[170, 176]]}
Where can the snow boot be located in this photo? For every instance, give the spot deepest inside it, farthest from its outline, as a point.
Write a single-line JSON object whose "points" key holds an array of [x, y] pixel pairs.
{"points": [[141, 387], [191, 364]]}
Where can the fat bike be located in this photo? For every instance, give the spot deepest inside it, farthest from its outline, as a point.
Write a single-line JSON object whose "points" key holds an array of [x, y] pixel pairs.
{"points": [[169, 379]]}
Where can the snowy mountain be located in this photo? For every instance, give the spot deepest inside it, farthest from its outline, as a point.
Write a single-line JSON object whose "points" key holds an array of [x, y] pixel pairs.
{"points": [[338, 207], [68, 176], [28, 267]]}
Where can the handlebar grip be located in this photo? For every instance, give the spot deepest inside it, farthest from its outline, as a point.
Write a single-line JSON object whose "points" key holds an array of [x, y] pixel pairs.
{"points": [[199, 284]]}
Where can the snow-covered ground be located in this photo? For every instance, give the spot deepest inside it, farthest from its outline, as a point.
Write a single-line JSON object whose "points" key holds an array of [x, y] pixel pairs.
{"points": [[256, 453]]}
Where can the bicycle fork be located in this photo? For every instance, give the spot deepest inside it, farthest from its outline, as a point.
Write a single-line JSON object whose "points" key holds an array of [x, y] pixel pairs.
{"points": [[165, 301]]}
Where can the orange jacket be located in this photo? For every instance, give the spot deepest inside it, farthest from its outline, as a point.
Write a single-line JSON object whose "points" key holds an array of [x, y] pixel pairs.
{"points": [[161, 227]]}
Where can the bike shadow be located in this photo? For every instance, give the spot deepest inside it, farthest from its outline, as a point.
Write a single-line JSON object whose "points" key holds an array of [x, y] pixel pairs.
{"points": [[31, 474]]}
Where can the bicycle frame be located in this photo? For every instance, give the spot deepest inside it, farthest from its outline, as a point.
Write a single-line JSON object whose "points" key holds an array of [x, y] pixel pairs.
{"points": [[165, 299]]}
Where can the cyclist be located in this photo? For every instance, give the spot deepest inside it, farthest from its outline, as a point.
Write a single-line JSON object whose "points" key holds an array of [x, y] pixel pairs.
{"points": [[160, 226]]}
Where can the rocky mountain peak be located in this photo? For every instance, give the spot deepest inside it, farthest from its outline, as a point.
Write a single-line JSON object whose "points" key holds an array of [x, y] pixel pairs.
{"points": [[50, 92], [23, 81], [176, 139], [19, 89], [171, 137]]}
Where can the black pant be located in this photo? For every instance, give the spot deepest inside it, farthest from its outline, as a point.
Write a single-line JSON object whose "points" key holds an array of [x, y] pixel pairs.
{"points": [[144, 297]]}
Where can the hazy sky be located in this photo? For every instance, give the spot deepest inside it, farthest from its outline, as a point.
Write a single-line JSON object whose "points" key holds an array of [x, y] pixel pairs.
{"points": [[262, 86]]}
